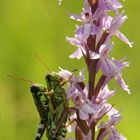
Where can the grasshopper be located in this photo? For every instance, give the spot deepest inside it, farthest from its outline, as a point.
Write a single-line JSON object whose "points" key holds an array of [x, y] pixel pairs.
{"points": [[52, 105], [41, 100], [58, 104]]}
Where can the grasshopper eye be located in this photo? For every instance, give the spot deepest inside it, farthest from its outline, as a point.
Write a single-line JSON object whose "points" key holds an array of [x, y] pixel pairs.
{"points": [[48, 77], [34, 89]]}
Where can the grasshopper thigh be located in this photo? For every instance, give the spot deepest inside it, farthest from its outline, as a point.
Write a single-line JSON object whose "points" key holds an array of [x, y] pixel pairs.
{"points": [[41, 129]]}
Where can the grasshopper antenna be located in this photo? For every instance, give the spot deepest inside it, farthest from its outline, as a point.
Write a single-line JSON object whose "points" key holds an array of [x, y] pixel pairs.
{"points": [[41, 60], [23, 79]]}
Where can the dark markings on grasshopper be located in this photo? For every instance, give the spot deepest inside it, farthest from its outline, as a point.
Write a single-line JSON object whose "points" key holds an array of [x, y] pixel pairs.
{"points": [[51, 104], [58, 104], [41, 101], [52, 109]]}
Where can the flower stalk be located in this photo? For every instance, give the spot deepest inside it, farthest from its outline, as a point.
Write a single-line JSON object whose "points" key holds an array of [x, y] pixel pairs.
{"points": [[93, 39]]}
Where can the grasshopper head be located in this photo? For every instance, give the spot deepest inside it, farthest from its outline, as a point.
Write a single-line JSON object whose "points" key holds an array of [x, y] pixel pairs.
{"points": [[53, 80], [53, 77], [35, 88]]}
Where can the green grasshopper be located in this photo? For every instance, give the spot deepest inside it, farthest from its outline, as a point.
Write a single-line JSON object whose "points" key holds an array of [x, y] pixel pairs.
{"points": [[41, 100], [58, 105], [51, 104], [51, 107]]}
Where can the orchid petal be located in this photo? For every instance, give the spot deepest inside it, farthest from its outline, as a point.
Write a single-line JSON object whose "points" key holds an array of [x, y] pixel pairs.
{"points": [[122, 37], [83, 115], [77, 54], [94, 55], [122, 84]]}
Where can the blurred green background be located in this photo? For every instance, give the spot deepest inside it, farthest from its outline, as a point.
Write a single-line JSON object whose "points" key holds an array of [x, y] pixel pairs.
{"points": [[41, 25]]}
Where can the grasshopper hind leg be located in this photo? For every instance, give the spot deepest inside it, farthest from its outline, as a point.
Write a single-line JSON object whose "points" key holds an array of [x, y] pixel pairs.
{"points": [[41, 129]]}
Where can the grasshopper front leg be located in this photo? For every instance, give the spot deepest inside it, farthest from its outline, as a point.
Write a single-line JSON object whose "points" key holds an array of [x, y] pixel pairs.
{"points": [[52, 110]]}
